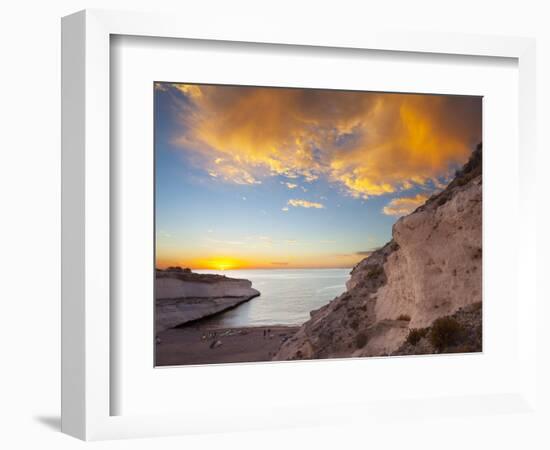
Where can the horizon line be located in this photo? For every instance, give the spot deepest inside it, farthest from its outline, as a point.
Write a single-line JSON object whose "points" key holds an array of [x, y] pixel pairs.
{"points": [[263, 268]]}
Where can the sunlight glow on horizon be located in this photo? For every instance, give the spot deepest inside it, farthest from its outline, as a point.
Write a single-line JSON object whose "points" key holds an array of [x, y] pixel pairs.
{"points": [[223, 264]]}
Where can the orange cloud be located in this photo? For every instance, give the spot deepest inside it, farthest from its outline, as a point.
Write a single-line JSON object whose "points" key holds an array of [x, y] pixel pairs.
{"points": [[404, 205], [368, 143], [297, 203]]}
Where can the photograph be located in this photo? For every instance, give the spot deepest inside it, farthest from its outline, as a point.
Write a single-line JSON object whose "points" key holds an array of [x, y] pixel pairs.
{"points": [[296, 223]]}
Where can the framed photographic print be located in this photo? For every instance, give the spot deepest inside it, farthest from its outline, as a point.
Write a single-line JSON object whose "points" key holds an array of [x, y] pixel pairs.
{"points": [[288, 214], [298, 223]]}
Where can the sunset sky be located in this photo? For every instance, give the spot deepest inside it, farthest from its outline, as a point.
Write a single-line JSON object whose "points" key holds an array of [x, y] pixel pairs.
{"points": [[250, 177]]}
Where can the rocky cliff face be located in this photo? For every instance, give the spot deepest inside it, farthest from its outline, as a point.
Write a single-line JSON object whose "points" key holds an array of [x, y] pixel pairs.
{"points": [[183, 296], [202, 286], [430, 269]]}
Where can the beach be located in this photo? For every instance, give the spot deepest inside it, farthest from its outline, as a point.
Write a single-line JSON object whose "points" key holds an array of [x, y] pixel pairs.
{"points": [[215, 318], [196, 344]]}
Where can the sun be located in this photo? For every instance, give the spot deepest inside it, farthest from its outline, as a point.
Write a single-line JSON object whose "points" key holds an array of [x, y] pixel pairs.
{"points": [[222, 264]]}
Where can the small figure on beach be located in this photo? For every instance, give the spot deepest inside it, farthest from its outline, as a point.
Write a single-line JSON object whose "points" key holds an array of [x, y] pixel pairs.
{"points": [[215, 344]]}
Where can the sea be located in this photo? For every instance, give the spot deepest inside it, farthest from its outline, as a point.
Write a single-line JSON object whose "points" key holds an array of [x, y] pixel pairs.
{"points": [[287, 295]]}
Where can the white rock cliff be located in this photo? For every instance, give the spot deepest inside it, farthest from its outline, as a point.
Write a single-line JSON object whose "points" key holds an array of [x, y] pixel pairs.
{"points": [[183, 296], [430, 269]]}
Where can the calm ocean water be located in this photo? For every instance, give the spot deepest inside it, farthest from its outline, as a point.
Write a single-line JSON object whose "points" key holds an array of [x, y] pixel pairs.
{"points": [[287, 295]]}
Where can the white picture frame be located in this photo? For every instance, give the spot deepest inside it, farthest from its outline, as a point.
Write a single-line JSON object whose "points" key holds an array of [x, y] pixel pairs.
{"points": [[87, 385]]}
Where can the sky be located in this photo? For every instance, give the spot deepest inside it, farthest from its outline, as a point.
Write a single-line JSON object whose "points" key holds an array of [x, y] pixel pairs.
{"points": [[266, 178]]}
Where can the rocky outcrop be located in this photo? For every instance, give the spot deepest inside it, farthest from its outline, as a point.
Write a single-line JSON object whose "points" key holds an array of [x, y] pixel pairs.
{"points": [[193, 285], [183, 296], [430, 269]]}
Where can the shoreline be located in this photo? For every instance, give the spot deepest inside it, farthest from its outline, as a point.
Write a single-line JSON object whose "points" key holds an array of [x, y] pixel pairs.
{"points": [[178, 312], [182, 296], [196, 344]]}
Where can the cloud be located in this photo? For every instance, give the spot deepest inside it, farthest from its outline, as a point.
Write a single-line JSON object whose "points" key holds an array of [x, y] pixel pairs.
{"points": [[368, 143], [441, 185], [298, 203], [163, 87], [221, 242], [289, 185], [234, 174], [279, 263], [265, 240], [404, 205], [285, 209]]}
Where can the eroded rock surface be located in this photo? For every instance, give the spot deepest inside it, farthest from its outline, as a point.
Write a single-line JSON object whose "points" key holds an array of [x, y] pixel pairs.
{"points": [[430, 269], [183, 296]]}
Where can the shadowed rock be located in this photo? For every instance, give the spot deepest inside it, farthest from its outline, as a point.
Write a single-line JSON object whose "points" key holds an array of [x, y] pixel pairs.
{"points": [[183, 296]]}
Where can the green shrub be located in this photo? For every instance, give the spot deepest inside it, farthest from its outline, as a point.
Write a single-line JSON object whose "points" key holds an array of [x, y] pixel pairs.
{"points": [[361, 340], [445, 332], [404, 317], [415, 334]]}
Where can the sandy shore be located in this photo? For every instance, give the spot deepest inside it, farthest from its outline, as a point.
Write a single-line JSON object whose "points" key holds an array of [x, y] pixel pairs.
{"points": [[205, 345]]}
